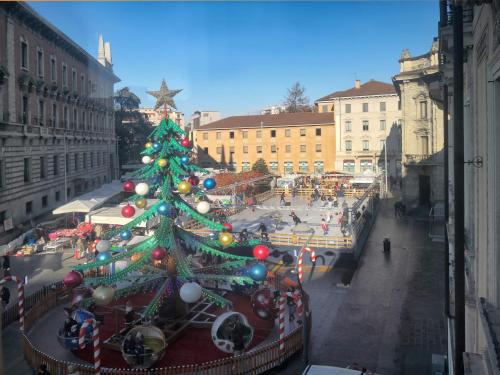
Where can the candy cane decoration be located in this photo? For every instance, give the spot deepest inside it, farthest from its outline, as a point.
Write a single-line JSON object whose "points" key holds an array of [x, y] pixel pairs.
{"points": [[301, 255], [95, 338], [281, 306], [20, 296]]}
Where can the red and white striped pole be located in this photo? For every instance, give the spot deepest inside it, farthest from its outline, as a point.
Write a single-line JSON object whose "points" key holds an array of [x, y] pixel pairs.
{"points": [[95, 340], [281, 306], [299, 260], [20, 296]]}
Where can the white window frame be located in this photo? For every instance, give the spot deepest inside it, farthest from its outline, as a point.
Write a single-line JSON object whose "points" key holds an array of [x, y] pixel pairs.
{"points": [[22, 40], [40, 65]]}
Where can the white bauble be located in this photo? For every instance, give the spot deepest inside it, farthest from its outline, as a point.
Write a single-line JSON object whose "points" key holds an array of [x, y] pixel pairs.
{"points": [[146, 159], [120, 265], [103, 246], [190, 292], [142, 188], [203, 207], [103, 295]]}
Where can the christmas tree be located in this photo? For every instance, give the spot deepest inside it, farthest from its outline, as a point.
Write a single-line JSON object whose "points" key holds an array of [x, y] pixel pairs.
{"points": [[166, 187]]}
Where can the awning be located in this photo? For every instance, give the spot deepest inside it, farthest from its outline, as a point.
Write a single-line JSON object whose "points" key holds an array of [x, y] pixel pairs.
{"points": [[92, 200], [113, 215]]}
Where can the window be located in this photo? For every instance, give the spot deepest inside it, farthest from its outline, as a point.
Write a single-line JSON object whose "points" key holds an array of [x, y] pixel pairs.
{"points": [[348, 166], [288, 149], [347, 108], [83, 120], [55, 164], [68, 192], [302, 148], [273, 149], [273, 166], [76, 162], [303, 166], [53, 71], [45, 200], [245, 149], [24, 55], [288, 167], [67, 163], [205, 136], [91, 160], [245, 134], [365, 125], [423, 110], [348, 126], [382, 124], [54, 115], [39, 62], [366, 166], [231, 135], [205, 150], [245, 166], [73, 80], [382, 106], [43, 167], [75, 118], [219, 150], [41, 112], [324, 108], [25, 110], [348, 145], [259, 134], [399, 105], [66, 118], [366, 145], [425, 145], [28, 207], [319, 167], [64, 75], [365, 107], [218, 135], [318, 132], [2, 174], [57, 196], [82, 84], [287, 132], [27, 169], [84, 160], [273, 133], [318, 148], [259, 149], [302, 132]]}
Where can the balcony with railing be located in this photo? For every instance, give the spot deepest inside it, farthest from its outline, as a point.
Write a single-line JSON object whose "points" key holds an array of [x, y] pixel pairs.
{"points": [[423, 159]]}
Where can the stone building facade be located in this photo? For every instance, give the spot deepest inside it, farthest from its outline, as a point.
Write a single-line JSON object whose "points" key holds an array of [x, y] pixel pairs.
{"points": [[288, 142], [57, 137], [367, 118], [154, 116], [422, 127], [481, 182]]}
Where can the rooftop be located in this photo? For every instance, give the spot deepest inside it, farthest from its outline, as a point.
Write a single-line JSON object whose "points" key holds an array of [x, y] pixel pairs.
{"points": [[282, 119], [369, 88]]}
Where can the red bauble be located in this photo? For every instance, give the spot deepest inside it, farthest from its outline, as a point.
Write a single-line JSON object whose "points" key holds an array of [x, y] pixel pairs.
{"points": [[193, 180], [261, 252], [159, 253], [128, 211], [128, 186], [73, 279], [185, 142], [228, 226], [263, 305]]}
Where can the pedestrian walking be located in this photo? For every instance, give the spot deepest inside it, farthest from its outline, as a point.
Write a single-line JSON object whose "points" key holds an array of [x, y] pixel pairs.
{"points": [[6, 265], [263, 232], [282, 199], [396, 209], [295, 218], [324, 226]]}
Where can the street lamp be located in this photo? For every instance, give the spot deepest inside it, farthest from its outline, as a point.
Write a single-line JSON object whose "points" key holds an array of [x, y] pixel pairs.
{"points": [[304, 228]]}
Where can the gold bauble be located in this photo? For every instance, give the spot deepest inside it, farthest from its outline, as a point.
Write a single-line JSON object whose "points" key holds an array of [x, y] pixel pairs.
{"points": [[135, 257], [148, 145], [226, 238], [184, 187], [141, 203], [162, 162]]}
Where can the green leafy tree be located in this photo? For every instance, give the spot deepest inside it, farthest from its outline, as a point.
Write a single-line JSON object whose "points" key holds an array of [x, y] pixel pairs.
{"points": [[126, 100], [260, 166]]}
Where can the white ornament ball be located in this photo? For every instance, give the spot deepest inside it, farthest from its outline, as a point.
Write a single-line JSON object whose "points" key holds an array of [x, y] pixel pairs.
{"points": [[203, 207], [103, 295], [190, 292], [103, 246], [146, 159], [120, 265], [142, 188]]}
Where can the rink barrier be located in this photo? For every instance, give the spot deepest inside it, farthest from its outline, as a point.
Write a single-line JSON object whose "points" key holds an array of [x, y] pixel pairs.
{"points": [[307, 192]]}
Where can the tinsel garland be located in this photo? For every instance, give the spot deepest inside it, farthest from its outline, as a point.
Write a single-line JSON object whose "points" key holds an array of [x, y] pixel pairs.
{"points": [[240, 280], [177, 146], [222, 266], [186, 208], [214, 297], [163, 235]]}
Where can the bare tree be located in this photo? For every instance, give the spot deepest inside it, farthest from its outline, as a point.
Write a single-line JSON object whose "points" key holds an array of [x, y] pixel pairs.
{"points": [[295, 100]]}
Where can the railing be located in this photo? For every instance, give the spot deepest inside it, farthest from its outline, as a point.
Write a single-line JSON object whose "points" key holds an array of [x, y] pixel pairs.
{"points": [[306, 192], [426, 159]]}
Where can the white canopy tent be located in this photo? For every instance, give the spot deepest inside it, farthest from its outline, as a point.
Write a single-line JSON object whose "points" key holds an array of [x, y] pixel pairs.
{"points": [[113, 215], [91, 200]]}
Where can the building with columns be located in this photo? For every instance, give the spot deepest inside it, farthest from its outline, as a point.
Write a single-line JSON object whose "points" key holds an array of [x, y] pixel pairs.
{"points": [[367, 120], [422, 127], [57, 136]]}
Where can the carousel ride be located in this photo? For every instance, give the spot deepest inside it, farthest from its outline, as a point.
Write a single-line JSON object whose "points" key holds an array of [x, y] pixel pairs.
{"points": [[173, 290]]}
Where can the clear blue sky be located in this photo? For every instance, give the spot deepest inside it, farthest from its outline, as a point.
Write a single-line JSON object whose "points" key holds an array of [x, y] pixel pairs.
{"points": [[240, 57]]}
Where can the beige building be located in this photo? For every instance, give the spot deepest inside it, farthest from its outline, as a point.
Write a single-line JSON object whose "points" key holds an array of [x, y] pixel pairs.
{"points": [[288, 142], [154, 116], [202, 118], [367, 117], [422, 127], [57, 134]]}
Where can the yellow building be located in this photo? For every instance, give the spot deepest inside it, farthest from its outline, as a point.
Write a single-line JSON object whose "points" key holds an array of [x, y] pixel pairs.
{"points": [[288, 142]]}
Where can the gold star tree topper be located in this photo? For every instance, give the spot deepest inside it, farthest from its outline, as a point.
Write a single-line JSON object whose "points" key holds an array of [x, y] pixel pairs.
{"points": [[164, 97]]}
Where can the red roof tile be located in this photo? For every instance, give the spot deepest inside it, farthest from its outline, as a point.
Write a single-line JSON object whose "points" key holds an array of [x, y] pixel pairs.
{"points": [[366, 89]]}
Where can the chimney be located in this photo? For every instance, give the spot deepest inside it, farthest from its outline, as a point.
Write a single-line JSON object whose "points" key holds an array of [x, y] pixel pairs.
{"points": [[357, 83]]}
